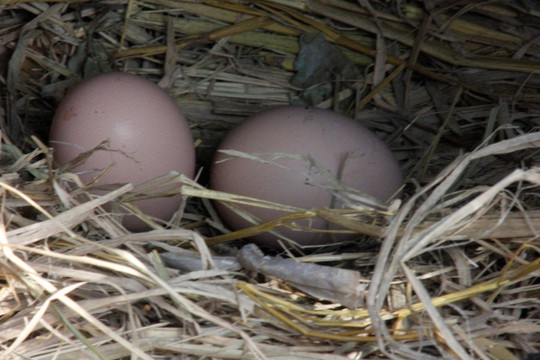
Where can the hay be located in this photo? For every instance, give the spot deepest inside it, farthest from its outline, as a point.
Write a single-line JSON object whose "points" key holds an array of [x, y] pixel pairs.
{"points": [[452, 271]]}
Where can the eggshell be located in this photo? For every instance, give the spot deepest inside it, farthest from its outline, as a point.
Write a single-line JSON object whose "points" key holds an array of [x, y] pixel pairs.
{"points": [[147, 133], [329, 138]]}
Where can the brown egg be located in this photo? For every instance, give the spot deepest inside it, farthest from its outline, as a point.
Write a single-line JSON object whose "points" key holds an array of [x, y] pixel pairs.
{"points": [[147, 133], [345, 148]]}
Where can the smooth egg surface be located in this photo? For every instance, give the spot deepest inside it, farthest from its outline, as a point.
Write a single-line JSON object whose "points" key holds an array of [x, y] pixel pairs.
{"points": [[343, 147], [147, 136]]}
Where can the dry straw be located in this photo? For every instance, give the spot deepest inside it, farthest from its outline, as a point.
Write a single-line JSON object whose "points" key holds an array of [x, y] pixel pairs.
{"points": [[451, 271]]}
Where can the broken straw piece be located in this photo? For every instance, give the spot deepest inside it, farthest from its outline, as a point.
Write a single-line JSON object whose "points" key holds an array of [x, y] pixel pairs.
{"points": [[324, 282]]}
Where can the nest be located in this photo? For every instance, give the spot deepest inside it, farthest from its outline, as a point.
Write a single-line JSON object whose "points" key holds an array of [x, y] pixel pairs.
{"points": [[451, 271]]}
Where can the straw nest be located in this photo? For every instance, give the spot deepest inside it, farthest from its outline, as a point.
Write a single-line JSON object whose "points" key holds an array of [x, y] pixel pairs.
{"points": [[451, 271]]}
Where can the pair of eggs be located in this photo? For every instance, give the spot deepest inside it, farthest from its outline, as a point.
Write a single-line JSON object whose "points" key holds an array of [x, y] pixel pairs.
{"points": [[143, 135]]}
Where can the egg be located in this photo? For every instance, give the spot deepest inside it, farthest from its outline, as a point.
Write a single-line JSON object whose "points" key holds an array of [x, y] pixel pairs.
{"points": [[146, 136], [340, 145]]}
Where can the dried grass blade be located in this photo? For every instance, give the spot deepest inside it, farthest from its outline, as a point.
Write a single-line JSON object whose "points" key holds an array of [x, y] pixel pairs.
{"points": [[60, 295], [432, 48], [435, 316], [61, 222]]}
